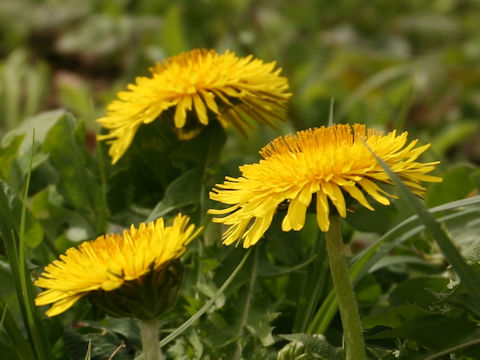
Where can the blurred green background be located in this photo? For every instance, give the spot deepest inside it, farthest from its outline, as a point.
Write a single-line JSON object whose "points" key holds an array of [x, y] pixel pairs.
{"points": [[391, 64], [410, 65]]}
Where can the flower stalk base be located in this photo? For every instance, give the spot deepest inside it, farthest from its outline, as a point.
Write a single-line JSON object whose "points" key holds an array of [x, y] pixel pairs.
{"points": [[352, 328], [149, 331]]}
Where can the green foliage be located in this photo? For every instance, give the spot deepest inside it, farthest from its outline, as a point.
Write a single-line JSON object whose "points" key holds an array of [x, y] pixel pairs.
{"points": [[407, 65], [312, 347]]}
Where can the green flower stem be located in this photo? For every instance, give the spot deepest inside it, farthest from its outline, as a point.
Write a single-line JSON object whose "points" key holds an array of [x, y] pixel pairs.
{"points": [[352, 328], [149, 331]]}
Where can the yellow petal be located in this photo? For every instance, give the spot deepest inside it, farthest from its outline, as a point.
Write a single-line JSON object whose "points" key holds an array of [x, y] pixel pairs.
{"points": [[336, 196], [234, 232], [200, 109], [358, 195], [372, 189], [257, 230], [210, 101], [295, 218], [180, 113], [322, 211], [63, 305]]}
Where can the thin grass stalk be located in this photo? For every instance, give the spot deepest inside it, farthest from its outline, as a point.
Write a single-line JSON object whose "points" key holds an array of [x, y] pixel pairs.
{"points": [[207, 305], [314, 284], [248, 303]]}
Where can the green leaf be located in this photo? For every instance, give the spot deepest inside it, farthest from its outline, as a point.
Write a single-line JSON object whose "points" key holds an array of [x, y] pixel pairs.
{"points": [[378, 221], [204, 149], [33, 229], [184, 191], [368, 290], [40, 124], [465, 346], [259, 324], [103, 342], [8, 151], [140, 177], [456, 184], [395, 316], [434, 332], [65, 144]]}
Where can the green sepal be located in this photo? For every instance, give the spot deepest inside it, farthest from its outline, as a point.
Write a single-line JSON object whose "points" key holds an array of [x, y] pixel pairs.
{"points": [[145, 298]]}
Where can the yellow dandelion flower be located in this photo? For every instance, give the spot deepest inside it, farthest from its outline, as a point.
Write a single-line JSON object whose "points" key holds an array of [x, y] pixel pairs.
{"points": [[113, 261], [330, 162], [231, 88]]}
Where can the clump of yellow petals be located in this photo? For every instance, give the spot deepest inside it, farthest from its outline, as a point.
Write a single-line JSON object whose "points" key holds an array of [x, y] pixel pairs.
{"points": [[230, 88], [328, 162], [109, 261]]}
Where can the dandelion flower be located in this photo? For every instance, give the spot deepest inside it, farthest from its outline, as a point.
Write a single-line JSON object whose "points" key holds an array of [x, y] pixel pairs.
{"points": [[201, 81], [328, 162], [115, 262]]}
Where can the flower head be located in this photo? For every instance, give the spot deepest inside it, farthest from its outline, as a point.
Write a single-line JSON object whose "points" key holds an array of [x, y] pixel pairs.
{"points": [[328, 162], [113, 261], [203, 81]]}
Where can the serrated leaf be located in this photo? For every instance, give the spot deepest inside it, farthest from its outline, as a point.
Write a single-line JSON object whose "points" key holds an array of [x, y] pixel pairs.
{"points": [[259, 324], [316, 346], [77, 185]]}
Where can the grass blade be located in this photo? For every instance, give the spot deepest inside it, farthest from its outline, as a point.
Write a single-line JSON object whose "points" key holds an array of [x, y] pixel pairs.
{"points": [[363, 262], [440, 234], [13, 234], [19, 343]]}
